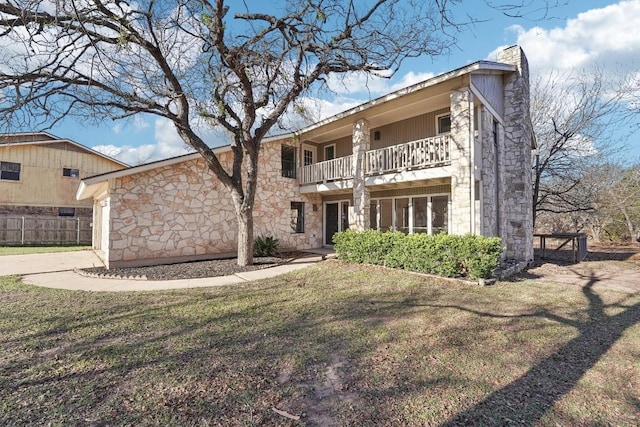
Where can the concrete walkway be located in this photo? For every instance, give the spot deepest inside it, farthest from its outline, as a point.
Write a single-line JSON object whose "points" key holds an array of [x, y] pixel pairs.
{"points": [[48, 263], [56, 271]]}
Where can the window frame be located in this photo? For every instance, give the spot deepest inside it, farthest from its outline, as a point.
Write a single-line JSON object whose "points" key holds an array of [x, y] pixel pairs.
{"points": [[6, 173], [297, 220], [288, 167], [68, 173], [438, 127]]}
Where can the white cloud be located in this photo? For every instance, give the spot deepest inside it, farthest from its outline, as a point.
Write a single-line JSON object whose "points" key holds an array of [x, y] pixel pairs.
{"points": [[167, 144], [602, 37]]}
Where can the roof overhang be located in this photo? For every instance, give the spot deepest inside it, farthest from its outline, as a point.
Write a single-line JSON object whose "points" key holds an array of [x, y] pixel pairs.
{"points": [[400, 104], [55, 140]]}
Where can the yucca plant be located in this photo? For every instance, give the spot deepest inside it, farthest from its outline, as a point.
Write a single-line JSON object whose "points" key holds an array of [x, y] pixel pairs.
{"points": [[266, 246]]}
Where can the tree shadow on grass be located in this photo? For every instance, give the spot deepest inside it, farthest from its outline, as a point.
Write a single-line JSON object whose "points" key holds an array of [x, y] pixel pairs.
{"points": [[527, 399]]}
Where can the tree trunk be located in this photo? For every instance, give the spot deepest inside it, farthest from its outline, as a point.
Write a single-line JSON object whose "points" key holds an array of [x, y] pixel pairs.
{"points": [[245, 235]]}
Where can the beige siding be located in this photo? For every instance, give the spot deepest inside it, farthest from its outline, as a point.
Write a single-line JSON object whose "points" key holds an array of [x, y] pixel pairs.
{"points": [[414, 128], [422, 126], [41, 181], [492, 88], [344, 147]]}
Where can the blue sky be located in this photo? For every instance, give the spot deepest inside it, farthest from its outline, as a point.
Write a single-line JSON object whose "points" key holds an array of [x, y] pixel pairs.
{"points": [[573, 36]]}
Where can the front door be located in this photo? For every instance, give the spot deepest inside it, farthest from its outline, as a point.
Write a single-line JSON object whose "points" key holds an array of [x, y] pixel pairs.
{"points": [[330, 222]]}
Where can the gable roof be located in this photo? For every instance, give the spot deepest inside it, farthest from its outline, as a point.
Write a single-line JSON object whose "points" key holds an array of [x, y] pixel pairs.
{"points": [[44, 138]]}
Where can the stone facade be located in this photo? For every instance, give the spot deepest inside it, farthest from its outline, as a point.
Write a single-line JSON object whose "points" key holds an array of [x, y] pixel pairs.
{"points": [[181, 211], [361, 207], [461, 173], [516, 157]]}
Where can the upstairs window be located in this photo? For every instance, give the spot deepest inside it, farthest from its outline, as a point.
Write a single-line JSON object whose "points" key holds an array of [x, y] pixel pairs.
{"points": [[297, 217], [10, 171], [288, 161], [72, 173], [308, 157], [443, 123]]}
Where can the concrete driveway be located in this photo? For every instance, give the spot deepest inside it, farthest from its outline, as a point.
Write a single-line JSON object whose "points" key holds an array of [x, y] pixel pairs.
{"points": [[47, 263]]}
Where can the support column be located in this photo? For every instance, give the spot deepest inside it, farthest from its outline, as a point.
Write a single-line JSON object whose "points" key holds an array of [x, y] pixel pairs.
{"points": [[462, 179], [361, 206]]}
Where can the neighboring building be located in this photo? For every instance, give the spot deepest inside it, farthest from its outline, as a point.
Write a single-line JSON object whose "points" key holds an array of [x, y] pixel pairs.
{"points": [[450, 154], [40, 173]]}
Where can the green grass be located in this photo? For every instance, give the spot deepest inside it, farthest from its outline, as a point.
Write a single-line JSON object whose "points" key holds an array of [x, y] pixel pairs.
{"points": [[335, 343], [25, 250]]}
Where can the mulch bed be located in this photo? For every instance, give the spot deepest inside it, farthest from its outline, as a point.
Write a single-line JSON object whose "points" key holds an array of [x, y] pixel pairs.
{"points": [[190, 270]]}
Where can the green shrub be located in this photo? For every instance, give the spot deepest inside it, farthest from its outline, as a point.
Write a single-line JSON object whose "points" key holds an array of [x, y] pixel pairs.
{"points": [[266, 246], [441, 254]]}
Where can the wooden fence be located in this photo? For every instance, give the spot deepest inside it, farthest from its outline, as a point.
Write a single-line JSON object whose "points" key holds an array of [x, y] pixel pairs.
{"points": [[25, 230]]}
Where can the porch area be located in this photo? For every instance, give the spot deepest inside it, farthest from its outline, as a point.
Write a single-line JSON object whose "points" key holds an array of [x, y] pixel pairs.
{"points": [[414, 155]]}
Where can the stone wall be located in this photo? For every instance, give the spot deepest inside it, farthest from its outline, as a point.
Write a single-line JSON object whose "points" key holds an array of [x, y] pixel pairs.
{"points": [[461, 177], [182, 211], [490, 184], [516, 157]]}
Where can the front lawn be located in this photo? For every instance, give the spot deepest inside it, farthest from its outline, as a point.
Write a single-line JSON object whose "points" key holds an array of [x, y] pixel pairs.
{"points": [[334, 344]]}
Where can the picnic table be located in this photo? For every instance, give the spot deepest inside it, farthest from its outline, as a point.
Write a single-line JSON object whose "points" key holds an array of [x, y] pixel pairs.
{"points": [[578, 244]]}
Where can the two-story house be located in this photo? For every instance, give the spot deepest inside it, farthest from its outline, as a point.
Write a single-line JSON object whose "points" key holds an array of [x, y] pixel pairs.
{"points": [[450, 154], [40, 173]]}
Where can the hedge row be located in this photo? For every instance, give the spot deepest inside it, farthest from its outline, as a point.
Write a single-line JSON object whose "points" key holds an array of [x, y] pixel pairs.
{"points": [[441, 254]]}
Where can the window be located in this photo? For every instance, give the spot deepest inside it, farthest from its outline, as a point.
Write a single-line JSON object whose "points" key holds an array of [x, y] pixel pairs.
{"points": [[66, 211], [439, 214], [443, 123], [297, 217], [376, 135], [73, 173], [10, 171], [330, 152], [307, 157], [288, 161]]}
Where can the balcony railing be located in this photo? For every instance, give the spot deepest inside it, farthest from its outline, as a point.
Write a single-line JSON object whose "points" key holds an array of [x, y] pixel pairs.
{"points": [[330, 170], [423, 153]]}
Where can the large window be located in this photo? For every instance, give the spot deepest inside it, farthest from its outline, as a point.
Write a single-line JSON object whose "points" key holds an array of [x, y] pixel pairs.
{"points": [[72, 173], [10, 171], [424, 214], [288, 161], [297, 217]]}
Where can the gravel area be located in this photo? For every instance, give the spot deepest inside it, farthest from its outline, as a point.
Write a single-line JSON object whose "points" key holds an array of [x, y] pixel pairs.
{"points": [[189, 270]]}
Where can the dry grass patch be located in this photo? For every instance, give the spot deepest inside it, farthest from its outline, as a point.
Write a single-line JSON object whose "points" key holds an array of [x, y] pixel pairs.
{"points": [[335, 344]]}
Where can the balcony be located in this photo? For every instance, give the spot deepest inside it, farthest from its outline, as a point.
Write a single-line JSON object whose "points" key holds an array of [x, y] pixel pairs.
{"points": [[420, 154]]}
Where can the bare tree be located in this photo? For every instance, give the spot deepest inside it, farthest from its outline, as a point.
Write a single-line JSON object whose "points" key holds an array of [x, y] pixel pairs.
{"points": [[213, 61], [574, 118]]}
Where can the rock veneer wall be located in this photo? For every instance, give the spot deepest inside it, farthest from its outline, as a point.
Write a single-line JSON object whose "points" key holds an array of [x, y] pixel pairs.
{"points": [[517, 221], [182, 211], [461, 178]]}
